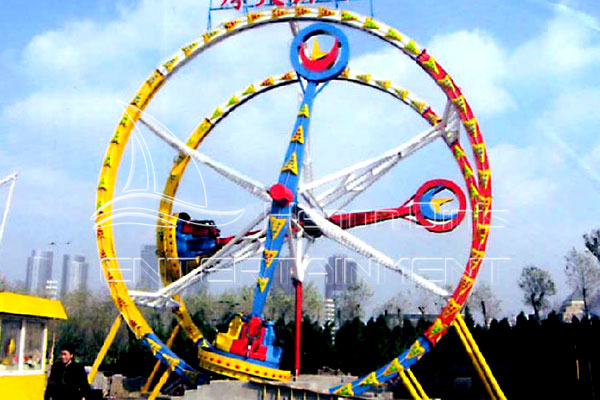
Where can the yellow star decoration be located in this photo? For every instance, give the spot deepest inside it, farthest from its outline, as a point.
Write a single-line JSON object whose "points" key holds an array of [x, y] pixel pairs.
{"points": [[412, 48], [383, 84], [345, 390], [451, 309], [401, 93], [370, 24], [249, 90], [416, 350], [317, 53], [431, 65], [471, 125], [438, 203], [459, 153], [229, 26], [393, 368], [477, 254], [468, 171], [480, 150], [438, 326], [304, 111], [154, 347], [189, 48], [394, 35], [209, 35], [325, 12], [364, 78], [465, 284], [218, 113], [298, 136], [276, 225], [484, 177], [233, 101], [288, 76], [291, 165], [418, 105], [268, 82], [269, 257], [262, 283], [446, 82], [461, 104], [370, 380], [347, 16]]}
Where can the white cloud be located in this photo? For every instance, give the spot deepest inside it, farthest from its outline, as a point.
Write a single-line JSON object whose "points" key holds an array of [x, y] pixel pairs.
{"points": [[522, 176], [89, 53], [479, 66], [567, 46]]}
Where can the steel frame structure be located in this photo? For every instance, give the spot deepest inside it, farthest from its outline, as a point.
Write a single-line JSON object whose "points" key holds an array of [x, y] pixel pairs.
{"points": [[246, 6], [351, 182]]}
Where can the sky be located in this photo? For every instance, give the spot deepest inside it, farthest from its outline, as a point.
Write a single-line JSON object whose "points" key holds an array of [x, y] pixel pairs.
{"points": [[530, 70]]}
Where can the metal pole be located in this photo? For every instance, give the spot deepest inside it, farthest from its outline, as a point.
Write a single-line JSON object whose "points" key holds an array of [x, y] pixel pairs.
{"points": [[160, 384], [7, 206], [298, 286], [157, 365], [112, 334]]}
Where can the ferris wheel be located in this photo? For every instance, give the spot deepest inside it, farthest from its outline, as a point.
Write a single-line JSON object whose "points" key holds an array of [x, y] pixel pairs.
{"points": [[296, 213]]}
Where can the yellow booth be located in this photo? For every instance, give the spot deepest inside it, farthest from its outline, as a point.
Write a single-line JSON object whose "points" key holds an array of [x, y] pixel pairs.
{"points": [[24, 342]]}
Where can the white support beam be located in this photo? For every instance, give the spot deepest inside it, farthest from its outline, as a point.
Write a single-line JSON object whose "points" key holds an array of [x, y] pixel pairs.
{"points": [[251, 185], [355, 244]]}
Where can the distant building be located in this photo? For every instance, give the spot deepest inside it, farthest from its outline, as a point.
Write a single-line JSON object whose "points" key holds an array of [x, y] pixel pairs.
{"points": [[282, 277], [51, 289], [74, 274], [573, 306], [39, 271], [341, 274], [329, 310], [149, 272]]}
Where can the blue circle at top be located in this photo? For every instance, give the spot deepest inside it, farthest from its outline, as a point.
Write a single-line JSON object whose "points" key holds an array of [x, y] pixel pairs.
{"points": [[333, 62]]}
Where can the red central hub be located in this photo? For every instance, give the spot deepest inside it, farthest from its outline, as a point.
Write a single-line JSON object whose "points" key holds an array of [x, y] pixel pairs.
{"points": [[281, 194]]}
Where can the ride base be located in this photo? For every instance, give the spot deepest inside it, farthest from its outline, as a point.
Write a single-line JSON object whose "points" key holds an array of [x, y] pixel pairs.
{"points": [[246, 351]]}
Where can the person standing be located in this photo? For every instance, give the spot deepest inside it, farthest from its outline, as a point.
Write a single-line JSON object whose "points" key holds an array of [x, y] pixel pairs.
{"points": [[68, 380]]}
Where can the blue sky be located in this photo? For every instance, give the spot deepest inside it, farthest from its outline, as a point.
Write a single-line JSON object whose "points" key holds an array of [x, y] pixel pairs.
{"points": [[529, 68]]}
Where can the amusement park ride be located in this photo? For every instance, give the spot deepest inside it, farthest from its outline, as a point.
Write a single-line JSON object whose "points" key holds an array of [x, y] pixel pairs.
{"points": [[295, 214]]}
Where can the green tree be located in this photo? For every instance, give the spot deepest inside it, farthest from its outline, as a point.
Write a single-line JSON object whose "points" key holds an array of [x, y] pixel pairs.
{"points": [[537, 286]]}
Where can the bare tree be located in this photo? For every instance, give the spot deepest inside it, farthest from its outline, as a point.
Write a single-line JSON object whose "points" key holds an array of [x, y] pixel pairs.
{"points": [[398, 304], [537, 286], [351, 303], [583, 275], [592, 242], [483, 300]]}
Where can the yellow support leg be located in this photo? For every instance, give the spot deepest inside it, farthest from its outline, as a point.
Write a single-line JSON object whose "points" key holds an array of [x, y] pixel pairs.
{"points": [[469, 350], [157, 365], [159, 385], [480, 358], [112, 334], [417, 385], [408, 384]]}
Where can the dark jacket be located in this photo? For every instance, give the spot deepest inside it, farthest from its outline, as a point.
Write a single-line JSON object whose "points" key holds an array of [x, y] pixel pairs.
{"points": [[67, 382]]}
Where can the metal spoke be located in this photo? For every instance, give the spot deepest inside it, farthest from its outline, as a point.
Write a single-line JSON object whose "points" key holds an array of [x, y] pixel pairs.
{"points": [[355, 244], [355, 179], [224, 253], [251, 185], [299, 245]]}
